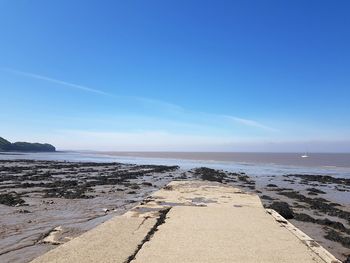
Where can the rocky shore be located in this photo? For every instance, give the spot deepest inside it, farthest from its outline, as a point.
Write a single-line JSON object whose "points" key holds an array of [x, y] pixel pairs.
{"points": [[46, 203]]}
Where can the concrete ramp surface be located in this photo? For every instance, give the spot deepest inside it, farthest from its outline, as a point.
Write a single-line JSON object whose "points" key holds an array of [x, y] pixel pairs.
{"points": [[194, 221]]}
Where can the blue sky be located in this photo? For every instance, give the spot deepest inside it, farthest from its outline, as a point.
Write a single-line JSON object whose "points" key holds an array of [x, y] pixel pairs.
{"points": [[176, 75]]}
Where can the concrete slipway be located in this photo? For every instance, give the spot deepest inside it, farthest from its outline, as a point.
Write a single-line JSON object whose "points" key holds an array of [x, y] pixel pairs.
{"points": [[193, 221]]}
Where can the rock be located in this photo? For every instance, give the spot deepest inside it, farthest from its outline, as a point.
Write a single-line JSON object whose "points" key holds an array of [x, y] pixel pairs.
{"points": [[304, 217], [134, 186], [319, 204], [11, 199], [283, 209], [271, 185], [338, 237], [325, 179], [49, 202], [23, 211], [266, 197], [315, 191], [209, 174]]}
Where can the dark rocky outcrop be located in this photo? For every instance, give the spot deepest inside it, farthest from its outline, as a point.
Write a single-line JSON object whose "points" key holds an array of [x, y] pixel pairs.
{"points": [[324, 221], [6, 146], [11, 199], [73, 180], [319, 204], [209, 174], [283, 209], [266, 197], [338, 237], [315, 191], [271, 185], [324, 179]]}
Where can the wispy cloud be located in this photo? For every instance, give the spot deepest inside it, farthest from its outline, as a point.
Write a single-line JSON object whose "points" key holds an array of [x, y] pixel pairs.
{"points": [[137, 140], [165, 106], [250, 123], [142, 100], [56, 81]]}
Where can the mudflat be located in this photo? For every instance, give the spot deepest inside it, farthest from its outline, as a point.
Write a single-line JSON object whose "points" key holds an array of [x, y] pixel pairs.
{"points": [[45, 204]]}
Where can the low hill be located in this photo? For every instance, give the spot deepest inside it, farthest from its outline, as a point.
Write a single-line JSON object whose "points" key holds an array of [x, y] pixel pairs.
{"points": [[6, 146]]}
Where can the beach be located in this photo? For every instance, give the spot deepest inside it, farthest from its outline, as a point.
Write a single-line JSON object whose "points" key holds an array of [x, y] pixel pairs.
{"points": [[46, 203]]}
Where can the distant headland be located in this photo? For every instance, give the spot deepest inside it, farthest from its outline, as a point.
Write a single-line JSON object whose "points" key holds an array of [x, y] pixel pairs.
{"points": [[6, 146]]}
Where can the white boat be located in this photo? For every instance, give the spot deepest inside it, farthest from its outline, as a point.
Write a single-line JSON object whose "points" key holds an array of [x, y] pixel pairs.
{"points": [[305, 156]]}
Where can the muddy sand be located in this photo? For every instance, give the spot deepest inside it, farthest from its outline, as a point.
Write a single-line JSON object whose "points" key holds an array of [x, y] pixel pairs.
{"points": [[46, 203]]}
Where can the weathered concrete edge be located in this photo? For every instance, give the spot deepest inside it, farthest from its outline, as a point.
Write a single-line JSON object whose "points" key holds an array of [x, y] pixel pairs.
{"points": [[320, 251]]}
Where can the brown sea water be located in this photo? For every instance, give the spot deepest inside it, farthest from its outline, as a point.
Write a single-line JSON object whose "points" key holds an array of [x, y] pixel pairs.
{"points": [[314, 159]]}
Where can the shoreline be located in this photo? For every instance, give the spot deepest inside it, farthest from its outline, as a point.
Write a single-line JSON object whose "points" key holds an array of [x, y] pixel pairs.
{"points": [[48, 211], [158, 158], [332, 160]]}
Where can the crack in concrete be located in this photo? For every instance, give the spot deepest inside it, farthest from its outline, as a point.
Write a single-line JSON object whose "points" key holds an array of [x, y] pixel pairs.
{"points": [[160, 221], [143, 221]]}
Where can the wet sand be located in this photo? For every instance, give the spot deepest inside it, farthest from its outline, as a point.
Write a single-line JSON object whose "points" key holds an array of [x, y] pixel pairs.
{"points": [[47, 203]]}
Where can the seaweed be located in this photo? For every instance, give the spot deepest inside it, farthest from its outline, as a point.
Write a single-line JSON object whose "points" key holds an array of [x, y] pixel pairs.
{"points": [[73, 179], [315, 191], [326, 179], [11, 199], [319, 204], [271, 185], [338, 237], [209, 174], [325, 222], [283, 209]]}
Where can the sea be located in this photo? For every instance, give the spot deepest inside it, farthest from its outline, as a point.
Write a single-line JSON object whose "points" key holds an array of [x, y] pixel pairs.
{"points": [[254, 164]]}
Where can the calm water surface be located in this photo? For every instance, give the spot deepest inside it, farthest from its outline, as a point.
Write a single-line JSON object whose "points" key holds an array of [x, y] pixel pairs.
{"points": [[258, 164]]}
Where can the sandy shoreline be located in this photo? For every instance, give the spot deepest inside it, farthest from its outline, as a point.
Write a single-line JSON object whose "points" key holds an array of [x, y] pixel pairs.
{"points": [[46, 203]]}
